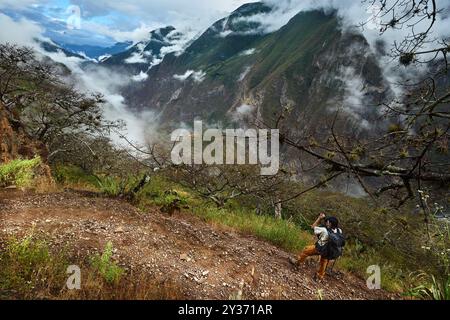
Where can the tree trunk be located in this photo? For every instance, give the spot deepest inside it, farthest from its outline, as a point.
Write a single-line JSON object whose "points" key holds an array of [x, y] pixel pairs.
{"points": [[278, 208]]}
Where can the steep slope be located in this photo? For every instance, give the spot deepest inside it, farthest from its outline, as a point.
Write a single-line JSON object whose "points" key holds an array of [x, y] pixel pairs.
{"points": [[225, 39], [237, 66], [204, 261]]}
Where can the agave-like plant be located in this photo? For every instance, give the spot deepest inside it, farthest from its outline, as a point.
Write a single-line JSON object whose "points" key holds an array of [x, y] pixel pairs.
{"points": [[436, 290]]}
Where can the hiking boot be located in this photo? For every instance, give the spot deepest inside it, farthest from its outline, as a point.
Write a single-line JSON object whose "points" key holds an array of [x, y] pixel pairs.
{"points": [[317, 279]]}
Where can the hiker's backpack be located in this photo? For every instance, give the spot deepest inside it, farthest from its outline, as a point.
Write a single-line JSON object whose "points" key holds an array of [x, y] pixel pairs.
{"points": [[334, 246]]}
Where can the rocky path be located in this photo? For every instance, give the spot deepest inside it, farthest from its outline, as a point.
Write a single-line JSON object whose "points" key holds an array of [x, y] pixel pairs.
{"points": [[207, 262]]}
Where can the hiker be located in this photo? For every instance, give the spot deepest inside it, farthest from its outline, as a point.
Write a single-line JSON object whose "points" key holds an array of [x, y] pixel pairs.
{"points": [[329, 244]]}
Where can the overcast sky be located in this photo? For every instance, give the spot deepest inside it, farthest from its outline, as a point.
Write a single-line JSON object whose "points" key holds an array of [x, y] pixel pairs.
{"points": [[106, 21], [124, 19]]}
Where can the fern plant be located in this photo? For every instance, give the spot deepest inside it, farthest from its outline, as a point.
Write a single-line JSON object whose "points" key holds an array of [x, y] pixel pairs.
{"points": [[104, 264]]}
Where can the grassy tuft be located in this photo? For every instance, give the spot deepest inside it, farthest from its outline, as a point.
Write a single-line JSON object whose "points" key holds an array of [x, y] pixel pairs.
{"points": [[19, 172], [281, 233], [74, 177], [27, 267], [433, 289]]}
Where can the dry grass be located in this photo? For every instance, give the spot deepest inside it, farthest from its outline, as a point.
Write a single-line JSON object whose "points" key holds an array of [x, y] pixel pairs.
{"points": [[30, 270], [138, 288]]}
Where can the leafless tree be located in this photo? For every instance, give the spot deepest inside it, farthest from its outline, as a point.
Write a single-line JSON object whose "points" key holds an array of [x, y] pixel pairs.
{"points": [[222, 183]]}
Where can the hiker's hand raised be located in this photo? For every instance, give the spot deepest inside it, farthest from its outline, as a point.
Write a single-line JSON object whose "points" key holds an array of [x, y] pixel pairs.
{"points": [[322, 216]]}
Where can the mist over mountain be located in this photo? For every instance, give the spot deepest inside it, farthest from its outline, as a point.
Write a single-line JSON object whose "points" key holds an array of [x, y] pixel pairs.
{"points": [[98, 52], [143, 55]]}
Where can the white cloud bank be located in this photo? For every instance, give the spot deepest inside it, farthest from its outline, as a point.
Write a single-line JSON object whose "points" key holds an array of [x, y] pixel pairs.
{"points": [[136, 57], [354, 96], [197, 76], [142, 76], [22, 32], [248, 52]]}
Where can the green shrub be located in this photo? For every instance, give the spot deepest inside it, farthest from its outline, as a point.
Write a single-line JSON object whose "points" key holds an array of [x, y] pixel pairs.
{"points": [[358, 257], [27, 265], [109, 270], [19, 172], [72, 175], [161, 192], [112, 186]]}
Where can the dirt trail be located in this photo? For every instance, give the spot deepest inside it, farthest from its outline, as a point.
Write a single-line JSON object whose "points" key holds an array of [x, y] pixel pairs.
{"points": [[207, 262]]}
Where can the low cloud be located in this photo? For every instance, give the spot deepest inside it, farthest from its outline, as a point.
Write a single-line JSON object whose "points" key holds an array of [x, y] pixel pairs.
{"points": [[180, 13], [248, 52], [243, 112], [22, 32], [109, 83], [354, 102], [136, 57], [197, 76], [179, 41], [191, 18], [142, 76]]}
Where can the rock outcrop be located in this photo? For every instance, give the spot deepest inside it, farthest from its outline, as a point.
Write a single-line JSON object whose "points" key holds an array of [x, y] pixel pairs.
{"points": [[14, 141]]}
